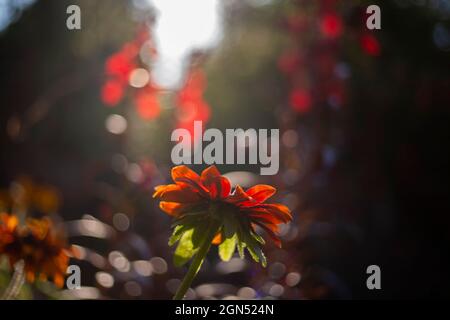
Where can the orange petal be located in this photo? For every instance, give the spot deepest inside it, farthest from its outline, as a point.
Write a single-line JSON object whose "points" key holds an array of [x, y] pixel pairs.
{"points": [[219, 187], [261, 192], [209, 174], [159, 190], [58, 279], [270, 233], [241, 198], [217, 239], [12, 222], [264, 216], [267, 222], [176, 193], [238, 195], [30, 276], [173, 208], [39, 227], [184, 175], [279, 210], [184, 172]]}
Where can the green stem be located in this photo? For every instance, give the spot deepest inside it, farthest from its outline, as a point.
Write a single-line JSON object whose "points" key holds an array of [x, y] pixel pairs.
{"points": [[196, 262], [16, 282]]}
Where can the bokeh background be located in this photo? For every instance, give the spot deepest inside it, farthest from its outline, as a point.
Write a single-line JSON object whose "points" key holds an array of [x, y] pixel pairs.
{"points": [[86, 117]]}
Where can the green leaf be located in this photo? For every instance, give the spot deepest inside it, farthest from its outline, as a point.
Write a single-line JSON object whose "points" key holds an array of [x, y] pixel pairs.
{"points": [[255, 250], [258, 238], [241, 246], [257, 255], [176, 235], [227, 248], [240, 242], [185, 249], [252, 252], [262, 257]]}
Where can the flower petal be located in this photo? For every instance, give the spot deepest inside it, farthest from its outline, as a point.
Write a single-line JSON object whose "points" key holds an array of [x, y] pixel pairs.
{"points": [[159, 190], [279, 210], [184, 172], [271, 233], [217, 239], [219, 187], [58, 279], [240, 198], [174, 208], [238, 195], [261, 192], [264, 216], [184, 175], [8, 222], [176, 193], [209, 174]]}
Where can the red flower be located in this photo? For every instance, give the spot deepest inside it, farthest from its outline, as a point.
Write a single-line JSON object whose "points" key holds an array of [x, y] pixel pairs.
{"points": [[147, 103], [331, 25], [191, 106], [120, 65], [112, 92], [370, 45], [300, 100], [194, 193]]}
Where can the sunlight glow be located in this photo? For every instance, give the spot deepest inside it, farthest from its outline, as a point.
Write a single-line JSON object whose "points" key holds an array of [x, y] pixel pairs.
{"points": [[181, 27]]}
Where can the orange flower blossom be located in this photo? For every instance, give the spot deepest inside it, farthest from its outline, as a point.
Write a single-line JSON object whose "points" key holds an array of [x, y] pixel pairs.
{"points": [[239, 212], [38, 244]]}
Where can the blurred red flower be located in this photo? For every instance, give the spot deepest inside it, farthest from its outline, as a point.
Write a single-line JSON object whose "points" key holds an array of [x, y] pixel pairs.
{"points": [[331, 25], [112, 92], [370, 45], [300, 100], [147, 103], [191, 105], [120, 65]]}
